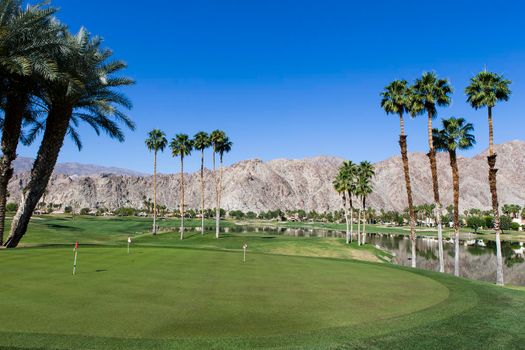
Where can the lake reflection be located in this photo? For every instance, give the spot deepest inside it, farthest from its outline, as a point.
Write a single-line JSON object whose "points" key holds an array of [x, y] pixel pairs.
{"points": [[477, 257]]}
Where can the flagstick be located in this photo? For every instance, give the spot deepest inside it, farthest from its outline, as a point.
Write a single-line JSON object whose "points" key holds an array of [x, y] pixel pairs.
{"points": [[128, 247], [244, 257], [75, 263]]}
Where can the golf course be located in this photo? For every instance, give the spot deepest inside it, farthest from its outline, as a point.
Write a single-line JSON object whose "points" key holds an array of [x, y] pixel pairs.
{"points": [[198, 293]]}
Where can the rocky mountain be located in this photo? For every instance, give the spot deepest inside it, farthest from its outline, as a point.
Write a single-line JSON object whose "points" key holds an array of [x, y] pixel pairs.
{"points": [[24, 164], [294, 184]]}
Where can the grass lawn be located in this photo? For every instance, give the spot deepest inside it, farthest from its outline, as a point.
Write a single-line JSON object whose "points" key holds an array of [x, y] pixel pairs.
{"points": [[198, 294]]}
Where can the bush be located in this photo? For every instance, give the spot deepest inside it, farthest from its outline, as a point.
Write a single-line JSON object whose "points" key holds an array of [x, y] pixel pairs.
{"points": [[515, 226], [475, 222], [251, 215], [84, 211], [68, 209], [505, 223], [11, 207], [125, 211], [489, 222]]}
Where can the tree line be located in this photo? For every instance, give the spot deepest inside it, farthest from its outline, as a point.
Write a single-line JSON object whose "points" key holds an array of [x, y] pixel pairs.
{"points": [[51, 82], [424, 96], [182, 146]]}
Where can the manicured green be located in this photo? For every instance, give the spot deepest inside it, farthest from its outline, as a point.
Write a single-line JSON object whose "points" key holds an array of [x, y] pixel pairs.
{"points": [[199, 294]]}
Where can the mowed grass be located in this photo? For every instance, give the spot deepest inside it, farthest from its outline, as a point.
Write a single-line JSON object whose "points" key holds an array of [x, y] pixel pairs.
{"points": [[199, 294], [169, 293]]}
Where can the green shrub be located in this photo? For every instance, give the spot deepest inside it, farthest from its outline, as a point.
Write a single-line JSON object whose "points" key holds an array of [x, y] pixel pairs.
{"points": [[475, 222], [11, 207], [84, 211]]}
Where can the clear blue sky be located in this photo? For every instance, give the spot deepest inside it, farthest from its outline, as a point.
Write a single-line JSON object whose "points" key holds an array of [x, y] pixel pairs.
{"points": [[295, 79]]}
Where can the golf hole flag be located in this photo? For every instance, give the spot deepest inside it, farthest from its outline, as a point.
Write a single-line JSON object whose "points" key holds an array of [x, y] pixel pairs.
{"points": [[75, 258], [129, 243]]}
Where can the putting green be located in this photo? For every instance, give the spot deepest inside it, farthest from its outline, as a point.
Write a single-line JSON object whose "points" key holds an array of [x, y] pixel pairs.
{"points": [[163, 293]]}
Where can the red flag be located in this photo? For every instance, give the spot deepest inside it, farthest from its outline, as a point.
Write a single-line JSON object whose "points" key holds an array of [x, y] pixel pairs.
{"points": [[76, 245]]}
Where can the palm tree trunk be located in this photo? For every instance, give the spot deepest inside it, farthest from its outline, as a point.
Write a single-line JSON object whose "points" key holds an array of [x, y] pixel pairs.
{"points": [[217, 210], [351, 217], [408, 185], [435, 184], [155, 192], [491, 159], [56, 129], [346, 220], [14, 112], [202, 192], [364, 221], [359, 227], [181, 197], [219, 195], [455, 182]]}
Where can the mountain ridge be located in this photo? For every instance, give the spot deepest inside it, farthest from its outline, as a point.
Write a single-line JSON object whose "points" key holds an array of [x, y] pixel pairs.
{"points": [[296, 184]]}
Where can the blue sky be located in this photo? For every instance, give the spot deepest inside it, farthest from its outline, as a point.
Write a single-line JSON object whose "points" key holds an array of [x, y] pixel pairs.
{"points": [[295, 79]]}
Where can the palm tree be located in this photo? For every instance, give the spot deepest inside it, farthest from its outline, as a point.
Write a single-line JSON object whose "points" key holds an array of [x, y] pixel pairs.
{"points": [[225, 146], [429, 93], [27, 40], [86, 93], [341, 185], [396, 99], [181, 146], [365, 172], [456, 134], [350, 173], [201, 141], [217, 137], [485, 90], [155, 142]]}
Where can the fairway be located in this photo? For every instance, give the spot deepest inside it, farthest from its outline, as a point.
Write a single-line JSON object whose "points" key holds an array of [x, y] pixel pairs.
{"points": [[170, 293], [198, 294]]}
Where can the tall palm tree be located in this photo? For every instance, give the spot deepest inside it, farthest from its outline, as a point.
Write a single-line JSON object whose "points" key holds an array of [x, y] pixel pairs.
{"points": [[396, 99], [431, 92], [202, 141], [28, 37], [456, 134], [365, 172], [216, 137], [225, 146], [340, 184], [485, 90], [181, 146], [155, 142], [349, 169], [85, 93]]}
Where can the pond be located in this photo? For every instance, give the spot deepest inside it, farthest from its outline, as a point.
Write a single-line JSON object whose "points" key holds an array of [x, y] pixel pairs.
{"points": [[477, 256]]}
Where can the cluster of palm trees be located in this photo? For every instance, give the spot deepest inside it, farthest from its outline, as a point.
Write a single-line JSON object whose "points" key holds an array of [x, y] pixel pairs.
{"points": [[51, 81], [181, 146], [354, 180], [424, 97]]}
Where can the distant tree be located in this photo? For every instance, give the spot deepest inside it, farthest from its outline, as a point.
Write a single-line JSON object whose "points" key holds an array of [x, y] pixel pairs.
{"points": [[84, 211], [68, 209], [201, 142], [506, 223], [181, 146], [485, 90], [251, 215], [365, 172], [125, 211], [475, 222], [341, 185], [11, 207], [155, 142]]}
